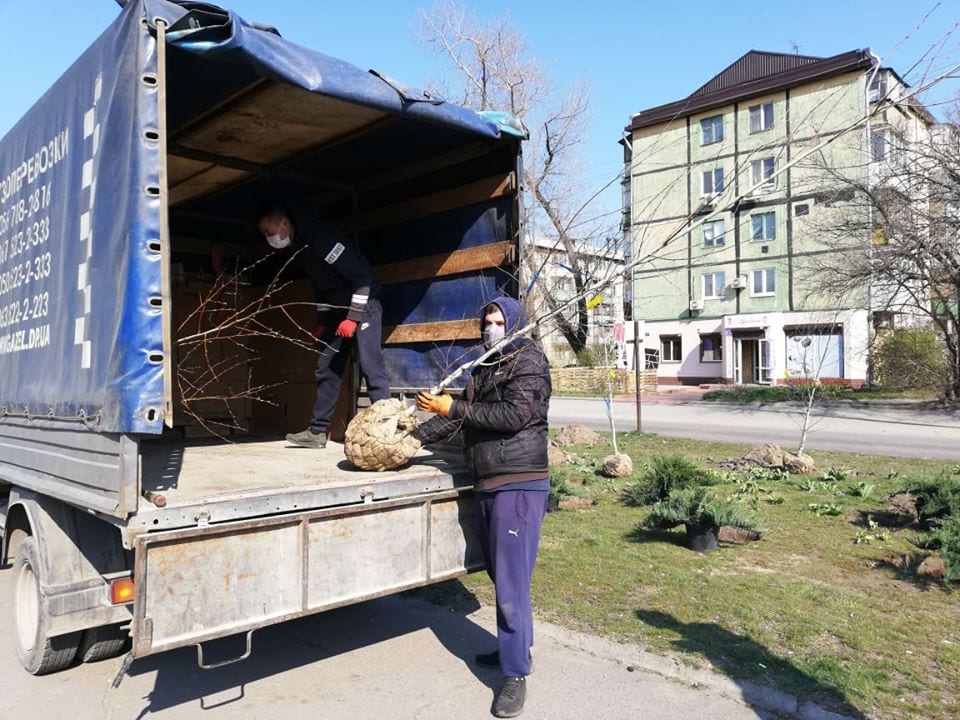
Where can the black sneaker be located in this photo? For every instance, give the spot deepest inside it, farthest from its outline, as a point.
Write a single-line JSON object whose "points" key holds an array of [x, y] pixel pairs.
{"points": [[492, 660], [308, 439], [510, 699]]}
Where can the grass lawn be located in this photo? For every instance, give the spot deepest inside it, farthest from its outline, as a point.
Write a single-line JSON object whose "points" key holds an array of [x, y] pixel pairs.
{"points": [[783, 393], [806, 609]]}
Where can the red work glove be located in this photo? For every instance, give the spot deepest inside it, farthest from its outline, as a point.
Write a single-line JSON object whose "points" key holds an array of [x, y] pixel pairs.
{"points": [[318, 331], [347, 328], [439, 404]]}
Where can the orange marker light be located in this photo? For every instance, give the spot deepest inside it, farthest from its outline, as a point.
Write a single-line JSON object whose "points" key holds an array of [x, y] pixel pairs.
{"points": [[121, 591]]}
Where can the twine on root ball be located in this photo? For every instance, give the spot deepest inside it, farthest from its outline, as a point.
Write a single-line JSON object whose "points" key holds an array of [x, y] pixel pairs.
{"points": [[379, 438]]}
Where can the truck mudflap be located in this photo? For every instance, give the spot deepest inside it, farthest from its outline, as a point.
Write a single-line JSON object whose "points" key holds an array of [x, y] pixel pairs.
{"points": [[207, 582]]}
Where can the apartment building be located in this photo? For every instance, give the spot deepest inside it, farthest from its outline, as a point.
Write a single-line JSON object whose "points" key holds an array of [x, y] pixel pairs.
{"points": [[727, 195], [555, 275]]}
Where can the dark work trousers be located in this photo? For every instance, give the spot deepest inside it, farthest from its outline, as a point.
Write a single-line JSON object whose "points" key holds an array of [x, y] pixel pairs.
{"points": [[334, 357], [510, 523]]}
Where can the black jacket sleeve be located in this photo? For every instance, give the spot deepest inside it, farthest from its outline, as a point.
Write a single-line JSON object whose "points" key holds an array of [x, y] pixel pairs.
{"points": [[436, 429], [345, 259], [521, 395]]}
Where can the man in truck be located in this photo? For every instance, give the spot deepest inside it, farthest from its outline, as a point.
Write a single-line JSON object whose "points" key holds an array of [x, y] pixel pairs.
{"points": [[503, 419], [349, 313]]}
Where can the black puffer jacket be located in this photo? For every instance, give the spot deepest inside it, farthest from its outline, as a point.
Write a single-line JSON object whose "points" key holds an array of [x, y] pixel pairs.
{"points": [[503, 411]]}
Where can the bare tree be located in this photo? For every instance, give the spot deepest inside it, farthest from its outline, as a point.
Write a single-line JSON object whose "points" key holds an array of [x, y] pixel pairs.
{"points": [[216, 346], [890, 231], [493, 68], [814, 356]]}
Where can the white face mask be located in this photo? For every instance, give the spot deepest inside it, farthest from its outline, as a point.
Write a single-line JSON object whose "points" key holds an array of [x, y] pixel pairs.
{"points": [[277, 242], [492, 334]]}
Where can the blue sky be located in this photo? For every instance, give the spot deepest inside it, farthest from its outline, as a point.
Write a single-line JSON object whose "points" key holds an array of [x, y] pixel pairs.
{"points": [[635, 55]]}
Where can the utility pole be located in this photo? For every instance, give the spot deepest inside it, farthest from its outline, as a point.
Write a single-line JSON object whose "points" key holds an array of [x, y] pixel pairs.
{"points": [[637, 370]]}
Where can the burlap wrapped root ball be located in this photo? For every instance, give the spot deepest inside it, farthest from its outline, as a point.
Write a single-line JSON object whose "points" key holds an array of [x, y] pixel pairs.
{"points": [[379, 438]]}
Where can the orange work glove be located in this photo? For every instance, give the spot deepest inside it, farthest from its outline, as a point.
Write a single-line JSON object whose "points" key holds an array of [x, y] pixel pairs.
{"points": [[439, 404], [347, 328]]}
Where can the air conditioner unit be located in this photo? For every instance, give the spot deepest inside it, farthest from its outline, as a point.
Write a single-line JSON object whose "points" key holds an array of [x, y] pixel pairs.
{"points": [[739, 282], [696, 305]]}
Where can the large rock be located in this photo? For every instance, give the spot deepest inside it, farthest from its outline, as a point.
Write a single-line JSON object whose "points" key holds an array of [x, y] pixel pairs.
{"points": [[801, 464], [577, 434], [617, 465]]}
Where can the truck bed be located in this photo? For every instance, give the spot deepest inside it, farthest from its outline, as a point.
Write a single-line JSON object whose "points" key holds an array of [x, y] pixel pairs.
{"points": [[206, 481]]}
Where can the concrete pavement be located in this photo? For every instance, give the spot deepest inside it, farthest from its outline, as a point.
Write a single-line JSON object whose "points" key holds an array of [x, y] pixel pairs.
{"points": [[390, 658], [882, 429]]}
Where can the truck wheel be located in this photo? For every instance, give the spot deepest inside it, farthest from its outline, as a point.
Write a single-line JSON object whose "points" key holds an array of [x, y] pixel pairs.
{"points": [[38, 653], [102, 643]]}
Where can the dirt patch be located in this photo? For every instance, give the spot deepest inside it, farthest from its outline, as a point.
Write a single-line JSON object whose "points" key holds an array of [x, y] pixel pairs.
{"points": [[773, 457], [577, 434], [737, 536], [906, 504], [766, 455], [577, 503], [882, 518], [556, 456], [901, 512]]}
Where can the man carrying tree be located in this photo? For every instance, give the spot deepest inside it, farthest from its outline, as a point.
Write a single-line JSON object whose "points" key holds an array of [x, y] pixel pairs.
{"points": [[347, 289]]}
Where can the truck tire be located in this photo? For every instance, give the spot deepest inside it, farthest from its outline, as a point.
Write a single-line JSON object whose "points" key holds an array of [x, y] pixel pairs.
{"points": [[103, 643], [38, 653]]}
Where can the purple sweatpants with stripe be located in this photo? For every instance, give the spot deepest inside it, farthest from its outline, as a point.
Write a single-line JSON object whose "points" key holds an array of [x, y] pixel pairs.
{"points": [[510, 523]]}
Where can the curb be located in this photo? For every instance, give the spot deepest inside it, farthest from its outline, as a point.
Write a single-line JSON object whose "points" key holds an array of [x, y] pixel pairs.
{"points": [[671, 667], [891, 403]]}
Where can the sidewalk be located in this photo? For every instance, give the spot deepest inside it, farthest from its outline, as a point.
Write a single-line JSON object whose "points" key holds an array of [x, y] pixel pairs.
{"points": [[394, 657], [666, 395], [687, 394]]}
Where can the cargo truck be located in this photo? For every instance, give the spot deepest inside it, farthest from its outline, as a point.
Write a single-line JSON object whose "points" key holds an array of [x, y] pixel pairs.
{"points": [[147, 496]]}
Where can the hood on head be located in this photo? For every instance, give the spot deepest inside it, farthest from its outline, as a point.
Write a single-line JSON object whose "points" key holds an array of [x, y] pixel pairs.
{"points": [[512, 311], [513, 315]]}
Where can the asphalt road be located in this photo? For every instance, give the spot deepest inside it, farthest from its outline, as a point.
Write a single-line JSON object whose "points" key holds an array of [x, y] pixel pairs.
{"points": [[390, 658], [905, 431]]}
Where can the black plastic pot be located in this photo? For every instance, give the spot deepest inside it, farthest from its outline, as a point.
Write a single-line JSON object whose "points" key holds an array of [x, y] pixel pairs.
{"points": [[702, 538]]}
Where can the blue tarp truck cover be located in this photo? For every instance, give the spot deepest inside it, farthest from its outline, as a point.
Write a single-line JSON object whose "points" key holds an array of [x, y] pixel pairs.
{"points": [[82, 197]]}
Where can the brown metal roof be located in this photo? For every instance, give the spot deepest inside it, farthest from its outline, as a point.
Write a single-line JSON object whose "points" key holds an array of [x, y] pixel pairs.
{"points": [[755, 65], [756, 73]]}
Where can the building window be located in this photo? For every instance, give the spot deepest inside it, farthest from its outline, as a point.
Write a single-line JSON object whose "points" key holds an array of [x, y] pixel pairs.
{"points": [[713, 233], [763, 226], [670, 348], [713, 285], [761, 117], [712, 182], [711, 130], [711, 348], [883, 320], [878, 87], [764, 282], [878, 144], [883, 145], [762, 174]]}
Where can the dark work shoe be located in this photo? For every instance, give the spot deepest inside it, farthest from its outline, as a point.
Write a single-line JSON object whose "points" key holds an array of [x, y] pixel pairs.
{"points": [[492, 660], [308, 439], [510, 699]]}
